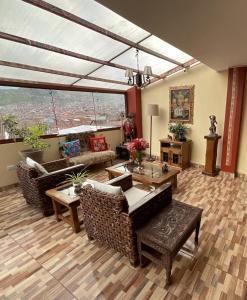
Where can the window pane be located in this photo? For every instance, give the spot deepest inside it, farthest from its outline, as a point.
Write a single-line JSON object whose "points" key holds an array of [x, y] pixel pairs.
{"points": [[72, 110], [108, 108], [30, 106]]}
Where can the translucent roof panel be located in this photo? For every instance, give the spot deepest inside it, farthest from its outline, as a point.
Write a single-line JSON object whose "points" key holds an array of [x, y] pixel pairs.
{"points": [[166, 49], [100, 84], [158, 65], [110, 73], [36, 24], [16, 73], [24, 54], [96, 13], [33, 23]]}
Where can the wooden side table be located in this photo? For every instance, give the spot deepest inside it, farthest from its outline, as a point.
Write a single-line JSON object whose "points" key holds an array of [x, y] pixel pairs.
{"points": [[164, 235], [64, 197]]}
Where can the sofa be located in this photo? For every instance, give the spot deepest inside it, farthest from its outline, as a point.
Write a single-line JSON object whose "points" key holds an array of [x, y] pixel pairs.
{"points": [[87, 156], [112, 219]]}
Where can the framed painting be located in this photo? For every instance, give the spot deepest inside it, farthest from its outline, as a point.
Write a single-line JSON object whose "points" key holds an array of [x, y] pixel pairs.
{"points": [[181, 104]]}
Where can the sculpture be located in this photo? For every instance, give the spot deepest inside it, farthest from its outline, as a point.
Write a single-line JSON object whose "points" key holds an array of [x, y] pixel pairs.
{"points": [[212, 128], [129, 128]]}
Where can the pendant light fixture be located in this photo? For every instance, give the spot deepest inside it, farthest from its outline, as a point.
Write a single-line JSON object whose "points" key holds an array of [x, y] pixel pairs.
{"points": [[138, 79]]}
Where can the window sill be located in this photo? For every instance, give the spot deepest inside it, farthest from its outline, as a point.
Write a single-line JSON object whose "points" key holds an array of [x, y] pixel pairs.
{"points": [[50, 136]]}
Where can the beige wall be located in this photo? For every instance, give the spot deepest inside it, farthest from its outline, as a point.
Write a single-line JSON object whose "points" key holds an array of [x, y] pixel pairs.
{"points": [[9, 154], [242, 158], [210, 98]]}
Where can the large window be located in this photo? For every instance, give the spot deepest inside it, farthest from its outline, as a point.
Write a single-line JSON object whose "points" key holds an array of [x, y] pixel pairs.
{"points": [[61, 109]]}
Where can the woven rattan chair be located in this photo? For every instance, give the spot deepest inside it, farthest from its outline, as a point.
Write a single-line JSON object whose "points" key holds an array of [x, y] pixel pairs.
{"points": [[109, 219], [34, 184]]}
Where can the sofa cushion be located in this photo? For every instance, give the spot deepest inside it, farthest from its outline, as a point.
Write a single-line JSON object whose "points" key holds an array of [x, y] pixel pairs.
{"points": [[83, 137], [72, 149], [98, 144], [90, 158]]}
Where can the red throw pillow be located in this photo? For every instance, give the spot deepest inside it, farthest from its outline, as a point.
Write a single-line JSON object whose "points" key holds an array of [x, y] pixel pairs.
{"points": [[98, 144]]}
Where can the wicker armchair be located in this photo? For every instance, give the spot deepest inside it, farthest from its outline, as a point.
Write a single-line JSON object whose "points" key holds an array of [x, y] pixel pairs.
{"points": [[108, 219], [34, 185]]}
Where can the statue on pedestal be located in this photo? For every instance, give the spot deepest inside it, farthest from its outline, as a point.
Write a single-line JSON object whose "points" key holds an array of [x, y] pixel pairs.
{"points": [[212, 128]]}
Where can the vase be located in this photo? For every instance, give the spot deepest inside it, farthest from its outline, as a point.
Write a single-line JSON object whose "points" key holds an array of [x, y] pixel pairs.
{"points": [[139, 158], [77, 187]]}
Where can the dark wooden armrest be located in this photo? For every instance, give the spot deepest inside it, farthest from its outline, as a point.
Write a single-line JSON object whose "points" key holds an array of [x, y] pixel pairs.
{"points": [[60, 175], [56, 164], [150, 205], [125, 181]]}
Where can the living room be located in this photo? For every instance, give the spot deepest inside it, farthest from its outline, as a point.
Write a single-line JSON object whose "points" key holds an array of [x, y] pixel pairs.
{"points": [[123, 152]]}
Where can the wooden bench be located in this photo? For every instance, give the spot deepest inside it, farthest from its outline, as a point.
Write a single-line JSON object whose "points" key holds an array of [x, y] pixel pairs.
{"points": [[163, 236]]}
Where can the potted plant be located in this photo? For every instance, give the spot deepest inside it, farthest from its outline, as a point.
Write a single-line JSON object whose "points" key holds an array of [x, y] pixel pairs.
{"points": [[179, 130], [10, 124], [77, 179], [32, 136]]}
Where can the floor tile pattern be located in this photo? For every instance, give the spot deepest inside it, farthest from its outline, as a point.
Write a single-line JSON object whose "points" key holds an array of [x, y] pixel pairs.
{"points": [[43, 259]]}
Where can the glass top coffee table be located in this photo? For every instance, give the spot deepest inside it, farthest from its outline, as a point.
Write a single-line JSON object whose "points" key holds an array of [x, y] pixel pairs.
{"points": [[150, 173]]}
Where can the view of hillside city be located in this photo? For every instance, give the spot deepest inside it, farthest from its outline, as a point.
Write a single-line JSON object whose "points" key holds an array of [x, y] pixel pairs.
{"points": [[32, 106]]}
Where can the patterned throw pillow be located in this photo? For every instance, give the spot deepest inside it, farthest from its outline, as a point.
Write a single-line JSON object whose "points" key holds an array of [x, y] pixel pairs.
{"points": [[98, 144], [72, 148]]}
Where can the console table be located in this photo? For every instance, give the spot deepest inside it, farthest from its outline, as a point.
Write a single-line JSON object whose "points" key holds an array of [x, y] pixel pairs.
{"points": [[175, 153]]}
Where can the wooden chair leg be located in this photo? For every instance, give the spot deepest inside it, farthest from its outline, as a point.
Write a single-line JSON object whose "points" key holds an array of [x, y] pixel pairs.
{"points": [[197, 232]]}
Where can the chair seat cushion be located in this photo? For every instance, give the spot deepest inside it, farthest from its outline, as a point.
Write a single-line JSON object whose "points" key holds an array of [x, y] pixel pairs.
{"points": [[91, 158], [134, 195]]}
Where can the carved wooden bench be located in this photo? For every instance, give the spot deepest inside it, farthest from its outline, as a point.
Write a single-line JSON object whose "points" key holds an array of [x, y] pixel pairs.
{"points": [[163, 236]]}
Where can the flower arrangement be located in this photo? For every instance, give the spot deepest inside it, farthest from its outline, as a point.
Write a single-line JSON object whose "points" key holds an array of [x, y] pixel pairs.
{"points": [[137, 145]]}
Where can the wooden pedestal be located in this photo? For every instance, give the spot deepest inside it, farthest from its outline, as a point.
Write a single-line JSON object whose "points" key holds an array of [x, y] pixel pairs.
{"points": [[211, 155]]}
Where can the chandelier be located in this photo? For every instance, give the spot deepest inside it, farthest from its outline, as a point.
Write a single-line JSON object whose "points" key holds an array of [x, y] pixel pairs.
{"points": [[139, 79]]}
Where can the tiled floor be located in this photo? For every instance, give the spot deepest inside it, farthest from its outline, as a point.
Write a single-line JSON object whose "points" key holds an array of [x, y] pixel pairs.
{"points": [[43, 259]]}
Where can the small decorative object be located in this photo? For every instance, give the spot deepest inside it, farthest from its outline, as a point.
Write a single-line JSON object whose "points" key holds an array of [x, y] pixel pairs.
{"points": [[77, 180], [129, 128], [212, 128], [182, 104], [138, 146], [179, 130], [165, 168]]}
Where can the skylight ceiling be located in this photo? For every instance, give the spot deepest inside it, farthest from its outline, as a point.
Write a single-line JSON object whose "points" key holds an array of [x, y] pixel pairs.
{"points": [[60, 42]]}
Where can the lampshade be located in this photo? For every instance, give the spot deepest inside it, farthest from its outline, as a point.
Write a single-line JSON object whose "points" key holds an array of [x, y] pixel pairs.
{"points": [[148, 71], [129, 73], [153, 110]]}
